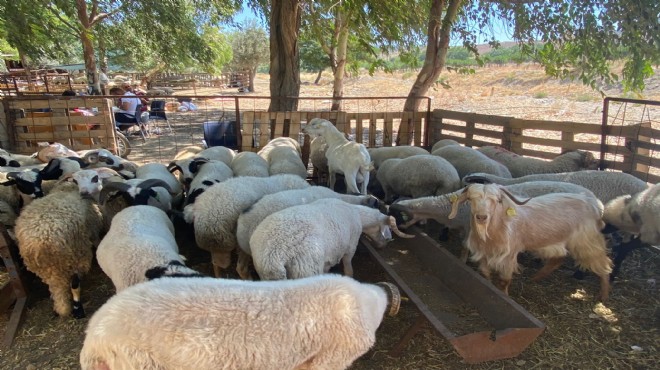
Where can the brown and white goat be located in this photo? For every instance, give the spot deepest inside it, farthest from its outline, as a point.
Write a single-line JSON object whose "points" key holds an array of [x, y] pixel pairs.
{"points": [[549, 226]]}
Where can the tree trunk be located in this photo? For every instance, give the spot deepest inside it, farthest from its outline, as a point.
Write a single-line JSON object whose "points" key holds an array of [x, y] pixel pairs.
{"points": [[284, 55], [26, 67], [93, 85], [342, 46], [318, 77], [103, 55], [439, 31], [437, 46], [253, 73]]}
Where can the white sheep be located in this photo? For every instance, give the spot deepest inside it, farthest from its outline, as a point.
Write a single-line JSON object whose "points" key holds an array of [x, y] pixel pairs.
{"points": [[467, 160], [283, 156], [56, 235], [501, 227], [638, 214], [443, 143], [140, 238], [309, 239], [347, 157], [322, 322], [606, 185], [249, 164], [216, 211], [379, 155], [188, 167], [251, 217], [417, 176], [518, 165], [209, 172]]}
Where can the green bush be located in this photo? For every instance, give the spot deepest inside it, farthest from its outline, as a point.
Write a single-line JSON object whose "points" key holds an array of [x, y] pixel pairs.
{"points": [[540, 95]]}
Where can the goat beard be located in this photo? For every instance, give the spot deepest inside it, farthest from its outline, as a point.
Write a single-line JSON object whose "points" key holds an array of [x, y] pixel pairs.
{"points": [[481, 229]]}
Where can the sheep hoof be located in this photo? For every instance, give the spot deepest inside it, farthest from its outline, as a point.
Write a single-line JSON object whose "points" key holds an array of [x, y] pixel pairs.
{"points": [[78, 311]]}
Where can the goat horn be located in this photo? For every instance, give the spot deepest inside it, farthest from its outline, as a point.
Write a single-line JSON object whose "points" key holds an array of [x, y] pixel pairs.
{"points": [[513, 197], [395, 297], [392, 222]]}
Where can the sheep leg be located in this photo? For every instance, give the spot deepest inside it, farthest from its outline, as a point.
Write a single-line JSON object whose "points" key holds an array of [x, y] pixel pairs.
{"points": [[60, 291], [365, 182], [331, 179], [221, 260], [348, 268], [78, 311], [604, 287], [243, 265], [351, 183], [551, 264]]}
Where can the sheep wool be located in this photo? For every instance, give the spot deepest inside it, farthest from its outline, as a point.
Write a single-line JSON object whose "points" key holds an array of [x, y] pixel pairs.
{"points": [[323, 322]]}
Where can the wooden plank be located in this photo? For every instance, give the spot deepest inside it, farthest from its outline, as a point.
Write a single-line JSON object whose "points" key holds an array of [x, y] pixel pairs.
{"points": [[418, 128], [264, 128], [373, 127], [575, 127], [388, 129], [294, 125], [648, 177], [358, 129], [248, 130], [474, 117], [279, 124], [570, 145], [57, 103]]}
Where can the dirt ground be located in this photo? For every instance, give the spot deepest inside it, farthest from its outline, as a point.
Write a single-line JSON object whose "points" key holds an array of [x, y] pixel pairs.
{"points": [[580, 333]]}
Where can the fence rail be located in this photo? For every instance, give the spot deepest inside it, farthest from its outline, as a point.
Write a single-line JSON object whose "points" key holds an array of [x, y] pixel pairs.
{"points": [[630, 145], [633, 147]]}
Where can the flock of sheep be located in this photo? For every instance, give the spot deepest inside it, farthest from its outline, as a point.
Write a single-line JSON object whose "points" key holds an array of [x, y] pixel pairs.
{"points": [[78, 206]]}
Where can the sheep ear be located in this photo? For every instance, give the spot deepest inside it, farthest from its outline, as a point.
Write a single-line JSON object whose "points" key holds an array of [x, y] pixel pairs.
{"points": [[173, 166], [457, 201]]}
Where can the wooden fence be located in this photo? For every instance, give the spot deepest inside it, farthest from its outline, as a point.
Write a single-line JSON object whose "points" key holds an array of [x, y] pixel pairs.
{"points": [[370, 128], [632, 149], [34, 121]]}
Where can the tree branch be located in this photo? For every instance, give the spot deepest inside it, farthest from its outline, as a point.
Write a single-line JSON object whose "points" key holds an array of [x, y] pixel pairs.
{"points": [[64, 21]]}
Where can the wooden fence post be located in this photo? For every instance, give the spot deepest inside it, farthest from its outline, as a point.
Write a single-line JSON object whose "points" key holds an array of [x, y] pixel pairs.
{"points": [[469, 133]]}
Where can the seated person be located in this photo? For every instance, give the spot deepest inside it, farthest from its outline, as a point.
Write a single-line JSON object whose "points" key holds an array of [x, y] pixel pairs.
{"points": [[125, 115]]}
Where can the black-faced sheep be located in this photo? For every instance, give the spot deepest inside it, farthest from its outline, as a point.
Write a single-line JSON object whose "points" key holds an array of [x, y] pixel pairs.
{"points": [[140, 238], [638, 214], [56, 235]]}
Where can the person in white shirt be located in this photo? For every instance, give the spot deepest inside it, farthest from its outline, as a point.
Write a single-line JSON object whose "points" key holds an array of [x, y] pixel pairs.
{"points": [[127, 105]]}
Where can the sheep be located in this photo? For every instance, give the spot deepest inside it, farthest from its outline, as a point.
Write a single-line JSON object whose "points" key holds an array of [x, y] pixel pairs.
{"points": [[251, 217], [638, 214], [326, 231], [347, 157], [417, 176], [605, 185], [576, 160], [467, 160], [501, 227], [188, 152], [208, 174], [379, 155], [322, 322], [56, 235], [188, 167], [249, 164], [140, 239], [443, 143], [103, 158], [7, 214], [283, 156], [216, 211], [115, 196]]}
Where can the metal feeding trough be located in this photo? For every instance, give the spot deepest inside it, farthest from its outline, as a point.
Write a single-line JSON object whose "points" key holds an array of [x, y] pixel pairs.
{"points": [[480, 321]]}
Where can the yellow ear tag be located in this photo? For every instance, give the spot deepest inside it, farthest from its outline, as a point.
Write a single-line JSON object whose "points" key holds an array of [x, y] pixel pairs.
{"points": [[453, 198], [510, 211]]}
